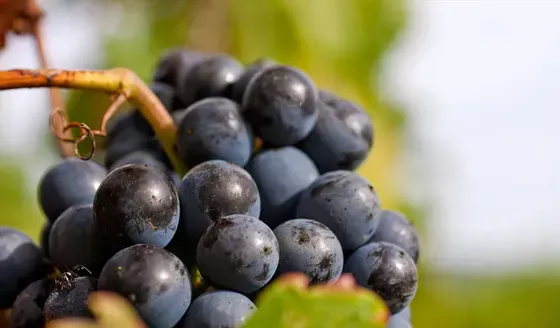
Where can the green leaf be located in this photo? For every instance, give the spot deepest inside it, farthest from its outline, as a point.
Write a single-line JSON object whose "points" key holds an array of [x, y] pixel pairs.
{"points": [[288, 303]]}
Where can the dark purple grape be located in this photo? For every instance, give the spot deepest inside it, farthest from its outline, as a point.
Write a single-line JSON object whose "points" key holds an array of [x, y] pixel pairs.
{"points": [[70, 299], [212, 190], [73, 240], [218, 309], [123, 124], [44, 239], [21, 263], [143, 157], [125, 142], [281, 105], [309, 247], [396, 229], [213, 129], [136, 204], [239, 87], [238, 252], [174, 64], [210, 77], [342, 137], [165, 93], [70, 182], [129, 133], [346, 203], [27, 311], [139, 122], [135, 120], [128, 144], [154, 280], [281, 175], [387, 270]]}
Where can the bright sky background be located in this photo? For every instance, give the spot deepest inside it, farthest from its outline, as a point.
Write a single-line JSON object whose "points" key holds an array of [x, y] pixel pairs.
{"points": [[480, 80]]}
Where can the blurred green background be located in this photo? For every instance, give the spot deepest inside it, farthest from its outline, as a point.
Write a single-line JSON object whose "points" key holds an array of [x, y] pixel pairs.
{"points": [[342, 45]]}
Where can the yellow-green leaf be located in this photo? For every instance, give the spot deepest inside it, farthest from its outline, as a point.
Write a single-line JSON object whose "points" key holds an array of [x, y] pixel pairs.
{"points": [[289, 303]]}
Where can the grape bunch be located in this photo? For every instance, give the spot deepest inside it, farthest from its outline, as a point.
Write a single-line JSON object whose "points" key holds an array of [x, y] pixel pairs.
{"points": [[271, 190]]}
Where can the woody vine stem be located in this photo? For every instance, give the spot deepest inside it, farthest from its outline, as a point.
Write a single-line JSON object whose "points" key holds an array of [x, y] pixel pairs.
{"points": [[120, 82], [23, 17]]}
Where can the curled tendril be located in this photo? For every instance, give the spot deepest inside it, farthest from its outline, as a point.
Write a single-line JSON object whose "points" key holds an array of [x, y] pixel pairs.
{"points": [[85, 131], [57, 132]]}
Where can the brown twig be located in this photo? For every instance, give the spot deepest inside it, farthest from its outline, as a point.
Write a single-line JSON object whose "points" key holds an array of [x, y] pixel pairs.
{"points": [[116, 81], [24, 17], [57, 105]]}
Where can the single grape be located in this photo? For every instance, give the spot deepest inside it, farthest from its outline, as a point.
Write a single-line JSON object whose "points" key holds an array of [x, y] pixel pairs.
{"points": [[27, 311], [397, 322], [342, 137], [154, 280], [175, 63], [218, 309], [127, 141], [73, 240], [136, 204], [281, 175], [124, 124], [70, 299], [70, 182], [395, 228], [212, 190], [213, 129], [44, 239], [346, 203], [210, 77], [239, 87], [140, 123], [238, 252], [144, 157], [128, 144], [309, 247], [131, 132], [281, 105], [387, 270], [165, 93], [21, 263]]}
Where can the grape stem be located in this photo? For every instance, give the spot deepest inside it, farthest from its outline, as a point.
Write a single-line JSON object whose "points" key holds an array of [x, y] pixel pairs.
{"points": [[114, 81]]}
